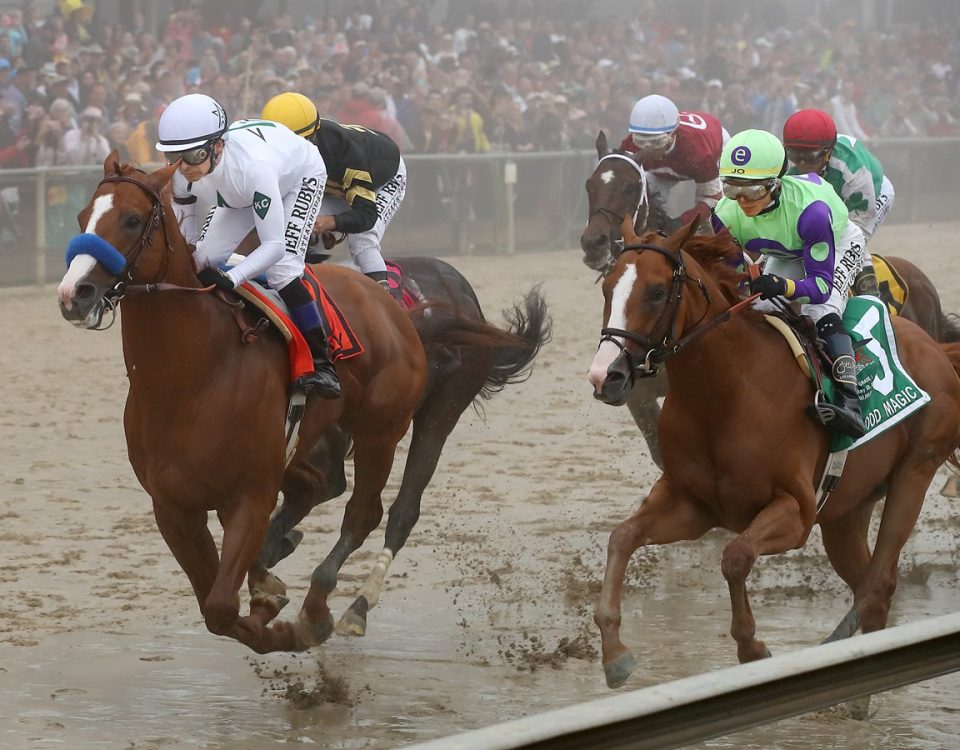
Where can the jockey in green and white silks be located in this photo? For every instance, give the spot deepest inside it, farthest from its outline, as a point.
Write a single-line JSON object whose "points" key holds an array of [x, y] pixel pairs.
{"points": [[813, 145], [811, 251]]}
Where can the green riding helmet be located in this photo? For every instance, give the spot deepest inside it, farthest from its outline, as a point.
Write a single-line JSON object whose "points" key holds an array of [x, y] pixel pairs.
{"points": [[753, 155]]}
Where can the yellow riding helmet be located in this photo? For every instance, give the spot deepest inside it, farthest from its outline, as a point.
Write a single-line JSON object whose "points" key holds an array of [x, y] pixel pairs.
{"points": [[295, 111]]}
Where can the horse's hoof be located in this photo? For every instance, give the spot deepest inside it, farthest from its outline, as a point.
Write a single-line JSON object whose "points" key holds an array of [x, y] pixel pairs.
{"points": [[859, 709], [273, 601], [311, 634], [951, 488], [618, 670], [270, 584], [352, 624]]}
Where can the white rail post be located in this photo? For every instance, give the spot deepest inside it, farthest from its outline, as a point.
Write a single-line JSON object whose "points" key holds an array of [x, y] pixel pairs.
{"points": [[509, 180]]}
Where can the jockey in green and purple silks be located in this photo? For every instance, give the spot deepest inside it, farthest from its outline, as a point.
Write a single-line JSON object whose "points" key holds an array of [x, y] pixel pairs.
{"points": [[811, 251]]}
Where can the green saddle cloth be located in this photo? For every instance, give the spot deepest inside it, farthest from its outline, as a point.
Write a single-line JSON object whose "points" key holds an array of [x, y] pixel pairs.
{"points": [[887, 392]]}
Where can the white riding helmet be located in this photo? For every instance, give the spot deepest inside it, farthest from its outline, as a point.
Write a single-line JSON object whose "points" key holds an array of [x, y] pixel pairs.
{"points": [[189, 122], [654, 115]]}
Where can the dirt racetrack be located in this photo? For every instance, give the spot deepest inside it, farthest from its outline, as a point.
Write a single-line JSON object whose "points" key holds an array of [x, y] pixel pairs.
{"points": [[487, 613]]}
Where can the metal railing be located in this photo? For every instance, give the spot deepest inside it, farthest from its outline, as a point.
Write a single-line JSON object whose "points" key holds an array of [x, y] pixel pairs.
{"points": [[699, 708], [455, 204]]}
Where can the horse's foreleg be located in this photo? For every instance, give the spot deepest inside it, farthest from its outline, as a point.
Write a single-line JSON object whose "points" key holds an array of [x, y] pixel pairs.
{"points": [[847, 546], [663, 517], [432, 425], [186, 534], [777, 528], [645, 411], [364, 510]]}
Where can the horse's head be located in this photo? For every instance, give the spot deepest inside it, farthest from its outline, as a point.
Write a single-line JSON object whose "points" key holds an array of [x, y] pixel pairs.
{"points": [[119, 243], [642, 297], [616, 190]]}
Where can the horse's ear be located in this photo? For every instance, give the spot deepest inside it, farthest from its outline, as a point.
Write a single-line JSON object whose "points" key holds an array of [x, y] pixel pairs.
{"points": [[160, 177], [626, 231], [602, 148], [112, 163], [679, 238]]}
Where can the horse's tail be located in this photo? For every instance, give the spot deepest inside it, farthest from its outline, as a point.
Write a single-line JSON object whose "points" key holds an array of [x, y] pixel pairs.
{"points": [[529, 327], [949, 328], [529, 323]]}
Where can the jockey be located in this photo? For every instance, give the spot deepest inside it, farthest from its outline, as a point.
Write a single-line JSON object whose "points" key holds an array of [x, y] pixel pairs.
{"points": [[255, 175], [673, 146], [367, 178], [812, 144], [812, 252]]}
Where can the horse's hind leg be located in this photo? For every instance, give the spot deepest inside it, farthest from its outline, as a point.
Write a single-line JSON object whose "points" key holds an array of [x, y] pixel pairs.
{"points": [[432, 425], [662, 518], [645, 411], [847, 546], [364, 510], [777, 528]]}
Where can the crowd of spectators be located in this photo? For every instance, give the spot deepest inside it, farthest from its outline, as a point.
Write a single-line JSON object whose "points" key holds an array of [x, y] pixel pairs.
{"points": [[74, 86]]}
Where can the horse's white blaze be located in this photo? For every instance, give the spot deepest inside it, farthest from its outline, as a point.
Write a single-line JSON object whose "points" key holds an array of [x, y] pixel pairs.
{"points": [[82, 265], [100, 207], [79, 268], [607, 176], [608, 351]]}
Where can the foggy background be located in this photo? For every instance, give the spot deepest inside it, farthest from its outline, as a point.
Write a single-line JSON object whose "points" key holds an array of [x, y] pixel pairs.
{"points": [[465, 88]]}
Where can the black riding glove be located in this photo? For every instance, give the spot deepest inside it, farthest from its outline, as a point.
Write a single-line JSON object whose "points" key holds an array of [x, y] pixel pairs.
{"points": [[216, 277], [768, 285]]}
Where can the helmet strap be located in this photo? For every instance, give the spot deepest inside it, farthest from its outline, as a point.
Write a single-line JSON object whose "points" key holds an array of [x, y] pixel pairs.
{"points": [[214, 156]]}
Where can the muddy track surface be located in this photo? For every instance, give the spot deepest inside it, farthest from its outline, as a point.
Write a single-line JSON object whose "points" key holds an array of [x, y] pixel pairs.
{"points": [[487, 613]]}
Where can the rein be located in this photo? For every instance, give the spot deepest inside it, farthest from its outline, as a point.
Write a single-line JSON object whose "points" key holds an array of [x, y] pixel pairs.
{"points": [[669, 345]]}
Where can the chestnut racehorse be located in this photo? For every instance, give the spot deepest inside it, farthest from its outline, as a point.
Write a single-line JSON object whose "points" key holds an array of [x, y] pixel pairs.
{"points": [[740, 452], [204, 414], [617, 189]]}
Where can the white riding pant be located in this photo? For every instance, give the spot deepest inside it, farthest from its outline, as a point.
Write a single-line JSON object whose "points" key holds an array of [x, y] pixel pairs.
{"points": [[365, 246], [225, 228], [848, 260]]}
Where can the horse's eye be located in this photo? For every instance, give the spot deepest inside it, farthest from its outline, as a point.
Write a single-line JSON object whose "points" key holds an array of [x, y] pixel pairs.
{"points": [[630, 188], [133, 222], [657, 294]]}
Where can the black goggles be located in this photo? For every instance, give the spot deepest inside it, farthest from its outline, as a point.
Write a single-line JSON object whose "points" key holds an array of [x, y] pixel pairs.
{"points": [[806, 155], [751, 191], [193, 157]]}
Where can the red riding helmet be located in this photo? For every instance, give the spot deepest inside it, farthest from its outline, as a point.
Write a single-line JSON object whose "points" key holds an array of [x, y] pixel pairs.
{"points": [[809, 128]]}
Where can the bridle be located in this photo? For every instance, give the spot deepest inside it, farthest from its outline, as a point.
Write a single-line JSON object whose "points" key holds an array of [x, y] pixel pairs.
{"points": [[112, 297], [616, 219], [669, 344]]}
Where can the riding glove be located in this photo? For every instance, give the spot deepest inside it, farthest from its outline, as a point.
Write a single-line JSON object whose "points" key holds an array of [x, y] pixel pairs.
{"points": [[769, 286], [216, 277]]}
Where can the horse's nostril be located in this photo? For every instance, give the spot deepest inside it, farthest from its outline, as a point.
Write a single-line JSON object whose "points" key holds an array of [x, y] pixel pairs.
{"points": [[84, 292]]}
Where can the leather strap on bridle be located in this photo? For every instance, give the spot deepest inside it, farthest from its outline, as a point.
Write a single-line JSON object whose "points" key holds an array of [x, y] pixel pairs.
{"points": [[657, 354]]}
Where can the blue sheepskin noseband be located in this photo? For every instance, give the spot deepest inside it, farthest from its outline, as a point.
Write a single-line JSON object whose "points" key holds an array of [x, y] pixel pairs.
{"points": [[101, 250]]}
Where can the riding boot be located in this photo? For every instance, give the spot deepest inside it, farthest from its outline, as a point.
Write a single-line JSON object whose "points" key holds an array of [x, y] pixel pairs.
{"points": [[308, 316], [381, 278], [866, 282], [846, 416]]}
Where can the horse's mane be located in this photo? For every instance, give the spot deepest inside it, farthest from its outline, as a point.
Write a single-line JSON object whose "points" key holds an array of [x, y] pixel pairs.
{"points": [[718, 254]]}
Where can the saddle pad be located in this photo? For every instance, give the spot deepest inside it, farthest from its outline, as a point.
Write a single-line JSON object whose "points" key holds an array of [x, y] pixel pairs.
{"points": [[396, 280], [887, 392], [894, 291]]}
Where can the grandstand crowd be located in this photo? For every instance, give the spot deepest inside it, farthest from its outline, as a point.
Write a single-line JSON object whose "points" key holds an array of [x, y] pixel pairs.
{"points": [[74, 85]]}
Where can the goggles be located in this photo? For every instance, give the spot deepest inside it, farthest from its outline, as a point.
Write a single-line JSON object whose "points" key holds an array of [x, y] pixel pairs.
{"points": [[193, 157], [658, 142], [751, 191], [806, 155]]}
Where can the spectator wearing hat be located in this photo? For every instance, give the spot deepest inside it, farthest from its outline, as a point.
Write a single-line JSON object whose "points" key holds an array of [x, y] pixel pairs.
{"points": [[86, 144], [132, 112], [141, 142]]}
